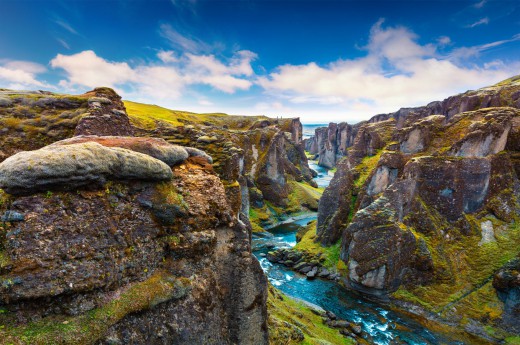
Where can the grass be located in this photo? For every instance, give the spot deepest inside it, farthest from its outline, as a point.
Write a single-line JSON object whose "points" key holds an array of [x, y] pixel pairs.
{"points": [[307, 244], [90, 327], [302, 197], [513, 340], [289, 319], [147, 115], [467, 271]]}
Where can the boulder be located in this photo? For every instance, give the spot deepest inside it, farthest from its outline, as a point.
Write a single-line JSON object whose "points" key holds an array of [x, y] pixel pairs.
{"points": [[312, 273], [194, 152], [154, 147], [71, 166]]}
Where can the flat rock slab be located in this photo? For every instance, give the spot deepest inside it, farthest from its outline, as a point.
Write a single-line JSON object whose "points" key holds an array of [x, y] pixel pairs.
{"points": [[75, 165]]}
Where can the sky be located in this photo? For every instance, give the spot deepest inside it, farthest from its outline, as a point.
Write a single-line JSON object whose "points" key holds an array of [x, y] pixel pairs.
{"points": [[319, 60]]}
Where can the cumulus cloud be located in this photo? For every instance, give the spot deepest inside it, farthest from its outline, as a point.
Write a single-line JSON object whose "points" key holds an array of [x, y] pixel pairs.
{"points": [[21, 74], [396, 71], [167, 56], [164, 79], [88, 69]]}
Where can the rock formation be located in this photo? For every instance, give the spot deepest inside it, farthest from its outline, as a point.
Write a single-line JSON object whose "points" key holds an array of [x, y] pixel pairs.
{"points": [[119, 239], [426, 203], [331, 143]]}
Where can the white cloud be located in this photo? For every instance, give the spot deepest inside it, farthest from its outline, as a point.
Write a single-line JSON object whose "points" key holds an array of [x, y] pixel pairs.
{"points": [[66, 26], [482, 21], [63, 43], [469, 52], [443, 41], [209, 70], [480, 4], [21, 74], [88, 69], [181, 42], [164, 79], [205, 102], [396, 72], [167, 56]]}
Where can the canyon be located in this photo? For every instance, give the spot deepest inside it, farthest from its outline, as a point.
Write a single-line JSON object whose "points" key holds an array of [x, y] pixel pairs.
{"points": [[124, 222]]}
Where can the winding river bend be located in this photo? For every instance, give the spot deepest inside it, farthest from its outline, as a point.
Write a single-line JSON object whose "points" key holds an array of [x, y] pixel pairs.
{"points": [[384, 326]]}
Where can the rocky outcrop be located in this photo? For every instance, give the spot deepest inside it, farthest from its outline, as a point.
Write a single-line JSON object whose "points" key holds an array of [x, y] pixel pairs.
{"points": [[106, 115], [407, 197], [128, 259], [332, 210], [75, 165], [432, 212], [507, 282], [332, 142]]}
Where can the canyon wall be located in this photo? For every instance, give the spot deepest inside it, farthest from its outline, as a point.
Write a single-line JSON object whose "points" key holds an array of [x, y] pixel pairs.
{"points": [[427, 209], [116, 239]]}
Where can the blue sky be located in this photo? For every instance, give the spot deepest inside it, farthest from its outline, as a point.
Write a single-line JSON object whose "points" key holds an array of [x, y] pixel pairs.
{"points": [[320, 60]]}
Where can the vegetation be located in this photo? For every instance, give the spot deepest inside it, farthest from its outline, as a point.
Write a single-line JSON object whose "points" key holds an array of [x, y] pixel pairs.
{"points": [[365, 168], [307, 244], [292, 322], [302, 197], [148, 116], [89, 327], [464, 272]]}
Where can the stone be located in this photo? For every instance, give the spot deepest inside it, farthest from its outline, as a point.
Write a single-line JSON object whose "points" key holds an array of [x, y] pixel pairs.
{"points": [[331, 315], [356, 328], [154, 147], [323, 272], [306, 269], [488, 235], [194, 152], [12, 216], [312, 273], [77, 165], [207, 139], [5, 102]]}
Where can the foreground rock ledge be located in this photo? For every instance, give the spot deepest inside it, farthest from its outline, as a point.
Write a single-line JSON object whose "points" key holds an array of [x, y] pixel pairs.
{"points": [[155, 256]]}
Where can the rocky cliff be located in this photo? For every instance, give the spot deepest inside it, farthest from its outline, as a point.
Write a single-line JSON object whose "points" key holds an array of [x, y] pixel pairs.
{"points": [[330, 143], [116, 239], [427, 210], [261, 161]]}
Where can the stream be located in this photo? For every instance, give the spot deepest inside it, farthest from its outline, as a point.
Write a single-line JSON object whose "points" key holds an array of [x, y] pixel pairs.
{"points": [[384, 326]]}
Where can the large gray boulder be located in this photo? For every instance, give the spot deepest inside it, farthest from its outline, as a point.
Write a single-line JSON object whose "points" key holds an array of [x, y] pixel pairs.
{"points": [[154, 147], [75, 165]]}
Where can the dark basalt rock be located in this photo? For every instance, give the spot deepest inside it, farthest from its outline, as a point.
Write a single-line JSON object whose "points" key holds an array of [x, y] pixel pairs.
{"points": [[106, 115], [507, 283]]}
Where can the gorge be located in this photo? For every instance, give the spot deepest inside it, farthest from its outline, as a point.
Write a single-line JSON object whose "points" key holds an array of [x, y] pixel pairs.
{"points": [[127, 223]]}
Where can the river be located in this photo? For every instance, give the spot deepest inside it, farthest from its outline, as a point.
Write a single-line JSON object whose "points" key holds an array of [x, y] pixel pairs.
{"points": [[384, 326]]}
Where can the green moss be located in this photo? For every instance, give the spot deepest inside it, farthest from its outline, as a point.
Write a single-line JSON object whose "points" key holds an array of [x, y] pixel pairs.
{"points": [[302, 197], [308, 244], [365, 168], [289, 319], [513, 340], [464, 271], [90, 327], [147, 116], [167, 194], [5, 260], [4, 198]]}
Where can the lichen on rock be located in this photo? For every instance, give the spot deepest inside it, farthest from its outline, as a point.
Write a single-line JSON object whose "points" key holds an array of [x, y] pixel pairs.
{"points": [[75, 165]]}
